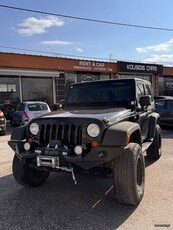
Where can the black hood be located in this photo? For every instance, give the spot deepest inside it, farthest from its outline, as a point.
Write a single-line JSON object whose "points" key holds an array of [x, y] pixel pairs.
{"points": [[113, 114]]}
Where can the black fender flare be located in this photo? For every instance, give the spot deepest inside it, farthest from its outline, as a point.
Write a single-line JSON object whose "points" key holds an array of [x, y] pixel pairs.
{"points": [[153, 121], [18, 136], [120, 133], [19, 133]]}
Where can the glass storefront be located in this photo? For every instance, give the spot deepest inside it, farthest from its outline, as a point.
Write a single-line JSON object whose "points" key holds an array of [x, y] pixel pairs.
{"points": [[14, 89], [105, 76], [50, 89], [166, 85], [9, 90], [34, 88]]}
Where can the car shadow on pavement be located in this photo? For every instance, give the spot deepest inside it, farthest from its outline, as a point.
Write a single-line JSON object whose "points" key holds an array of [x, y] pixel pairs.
{"points": [[9, 128], [167, 132], [149, 162], [60, 204]]}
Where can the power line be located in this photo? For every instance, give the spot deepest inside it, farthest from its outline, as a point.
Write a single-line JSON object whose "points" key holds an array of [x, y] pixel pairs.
{"points": [[83, 57], [57, 54], [87, 19]]}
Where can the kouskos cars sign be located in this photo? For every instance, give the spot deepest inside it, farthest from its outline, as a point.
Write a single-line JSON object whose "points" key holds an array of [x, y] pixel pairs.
{"points": [[125, 67]]}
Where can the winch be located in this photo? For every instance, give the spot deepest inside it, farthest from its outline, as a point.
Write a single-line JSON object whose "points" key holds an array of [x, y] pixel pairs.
{"points": [[49, 161]]}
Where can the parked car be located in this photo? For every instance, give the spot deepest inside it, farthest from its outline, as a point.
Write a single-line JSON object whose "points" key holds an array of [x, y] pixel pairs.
{"points": [[8, 110], [165, 108], [2, 123], [28, 110], [16, 119], [162, 97], [103, 126]]}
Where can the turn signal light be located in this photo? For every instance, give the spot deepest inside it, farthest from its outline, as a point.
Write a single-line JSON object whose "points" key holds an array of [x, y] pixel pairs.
{"points": [[94, 144], [128, 137], [30, 140]]}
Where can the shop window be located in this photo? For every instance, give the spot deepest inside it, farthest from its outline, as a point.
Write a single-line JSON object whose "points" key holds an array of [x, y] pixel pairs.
{"points": [[39, 89], [105, 76], [166, 85], [9, 90], [60, 87]]}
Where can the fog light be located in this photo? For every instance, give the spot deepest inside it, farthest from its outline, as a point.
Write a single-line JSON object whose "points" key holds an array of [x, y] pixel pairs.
{"points": [[27, 146], [78, 150]]}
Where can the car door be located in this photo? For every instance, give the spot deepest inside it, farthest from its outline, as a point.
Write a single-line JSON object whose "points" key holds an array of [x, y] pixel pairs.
{"points": [[161, 108], [143, 112], [168, 113]]}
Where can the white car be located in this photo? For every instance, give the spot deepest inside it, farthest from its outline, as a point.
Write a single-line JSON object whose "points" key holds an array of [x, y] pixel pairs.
{"points": [[28, 110]]}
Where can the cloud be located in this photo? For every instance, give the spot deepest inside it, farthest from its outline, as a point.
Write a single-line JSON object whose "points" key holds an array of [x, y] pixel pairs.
{"points": [[56, 42], [32, 26], [160, 58], [163, 47], [79, 49]]}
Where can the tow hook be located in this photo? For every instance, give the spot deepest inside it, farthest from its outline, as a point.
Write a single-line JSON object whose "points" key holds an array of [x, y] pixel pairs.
{"points": [[68, 170]]}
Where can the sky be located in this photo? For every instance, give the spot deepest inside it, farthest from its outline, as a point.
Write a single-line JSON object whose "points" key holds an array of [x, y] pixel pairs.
{"points": [[49, 35]]}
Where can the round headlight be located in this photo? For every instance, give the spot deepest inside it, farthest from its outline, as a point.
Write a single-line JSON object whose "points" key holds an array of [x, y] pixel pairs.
{"points": [[34, 128], [93, 130]]}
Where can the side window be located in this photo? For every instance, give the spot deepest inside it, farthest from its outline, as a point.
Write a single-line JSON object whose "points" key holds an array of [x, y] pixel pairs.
{"points": [[147, 90], [170, 106], [140, 90], [160, 104]]}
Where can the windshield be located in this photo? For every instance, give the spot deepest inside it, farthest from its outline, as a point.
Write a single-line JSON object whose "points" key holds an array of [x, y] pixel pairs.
{"points": [[103, 93]]}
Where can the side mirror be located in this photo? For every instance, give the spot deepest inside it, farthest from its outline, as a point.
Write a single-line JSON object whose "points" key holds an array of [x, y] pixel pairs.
{"points": [[145, 100]]}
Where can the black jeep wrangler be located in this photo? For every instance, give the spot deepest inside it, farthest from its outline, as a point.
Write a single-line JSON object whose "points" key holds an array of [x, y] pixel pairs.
{"points": [[105, 124]]}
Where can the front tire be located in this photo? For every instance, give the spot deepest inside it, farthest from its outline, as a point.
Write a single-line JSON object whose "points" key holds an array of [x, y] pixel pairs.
{"points": [[155, 149], [129, 175], [25, 175]]}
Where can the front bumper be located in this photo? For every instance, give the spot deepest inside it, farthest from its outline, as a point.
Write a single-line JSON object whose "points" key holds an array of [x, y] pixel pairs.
{"points": [[63, 156]]}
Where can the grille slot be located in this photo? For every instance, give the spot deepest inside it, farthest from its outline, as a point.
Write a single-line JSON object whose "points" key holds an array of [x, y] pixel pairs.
{"points": [[68, 134]]}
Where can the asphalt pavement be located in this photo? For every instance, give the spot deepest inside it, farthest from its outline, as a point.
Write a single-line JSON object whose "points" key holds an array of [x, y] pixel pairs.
{"points": [[91, 205]]}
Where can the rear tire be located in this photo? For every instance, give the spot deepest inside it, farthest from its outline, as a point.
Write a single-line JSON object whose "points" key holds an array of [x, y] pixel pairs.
{"points": [[129, 175], [155, 149], [25, 175]]}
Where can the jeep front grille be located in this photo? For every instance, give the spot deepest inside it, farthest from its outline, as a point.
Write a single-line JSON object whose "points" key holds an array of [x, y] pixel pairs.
{"points": [[68, 134]]}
